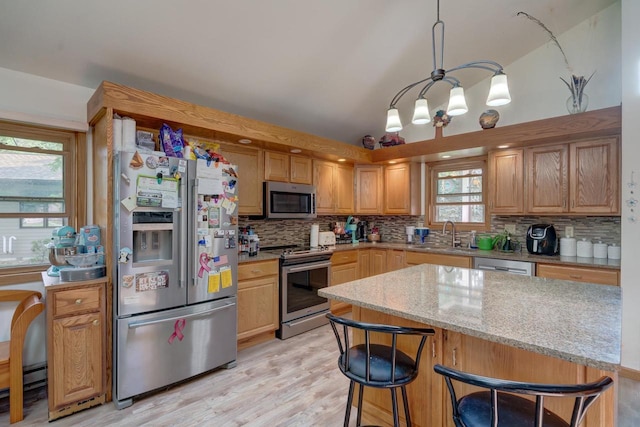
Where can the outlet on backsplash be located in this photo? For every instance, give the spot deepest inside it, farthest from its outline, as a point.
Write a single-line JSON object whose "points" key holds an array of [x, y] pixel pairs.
{"points": [[510, 228], [568, 231]]}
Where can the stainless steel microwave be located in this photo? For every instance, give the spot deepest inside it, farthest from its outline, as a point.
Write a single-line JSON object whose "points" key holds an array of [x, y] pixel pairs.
{"points": [[283, 200]]}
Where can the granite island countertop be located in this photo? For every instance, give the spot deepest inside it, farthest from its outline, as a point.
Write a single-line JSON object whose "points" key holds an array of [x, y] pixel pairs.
{"points": [[578, 322]]}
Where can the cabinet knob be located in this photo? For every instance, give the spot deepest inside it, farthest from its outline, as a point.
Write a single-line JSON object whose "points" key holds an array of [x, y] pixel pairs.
{"points": [[96, 322], [78, 301]]}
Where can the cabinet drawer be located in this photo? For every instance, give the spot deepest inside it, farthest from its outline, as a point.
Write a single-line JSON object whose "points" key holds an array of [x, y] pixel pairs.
{"points": [[74, 301], [416, 258], [578, 274], [257, 269], [344, 257]]}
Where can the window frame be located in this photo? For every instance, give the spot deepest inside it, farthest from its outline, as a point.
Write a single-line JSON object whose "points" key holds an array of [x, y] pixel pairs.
{"points": [[75, 186], [432, 193]]}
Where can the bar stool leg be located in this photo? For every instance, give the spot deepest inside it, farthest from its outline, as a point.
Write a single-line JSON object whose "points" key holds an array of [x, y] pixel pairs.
{"points": [[360, 392], [406, 405], [394, 404], [347, 414]]}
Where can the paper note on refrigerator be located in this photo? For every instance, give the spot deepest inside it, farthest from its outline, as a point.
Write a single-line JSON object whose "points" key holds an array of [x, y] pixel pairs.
{"points": [[214, 282], [210, 186], [208, 169], [226, 277]]}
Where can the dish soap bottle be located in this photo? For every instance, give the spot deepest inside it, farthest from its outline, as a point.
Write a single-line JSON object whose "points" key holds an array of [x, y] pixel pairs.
{"points": [[472, 240], [506, 247]]}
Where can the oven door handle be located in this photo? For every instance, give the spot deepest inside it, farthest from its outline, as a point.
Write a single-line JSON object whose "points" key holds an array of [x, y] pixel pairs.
{"points": [[306, 267]]}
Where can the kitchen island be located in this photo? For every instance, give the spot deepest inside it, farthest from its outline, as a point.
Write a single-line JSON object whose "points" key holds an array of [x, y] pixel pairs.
{"points": [[496, 324]]}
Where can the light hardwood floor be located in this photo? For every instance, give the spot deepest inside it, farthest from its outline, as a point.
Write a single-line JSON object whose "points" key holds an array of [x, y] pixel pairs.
{"points": [[278, 383]]}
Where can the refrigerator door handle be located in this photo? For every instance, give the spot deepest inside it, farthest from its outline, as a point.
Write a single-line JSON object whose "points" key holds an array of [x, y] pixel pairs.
{"points": [[170, 319], [183, 243], [194, 218]]}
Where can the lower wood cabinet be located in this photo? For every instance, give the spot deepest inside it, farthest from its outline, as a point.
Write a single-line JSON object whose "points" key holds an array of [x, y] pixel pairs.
{"points": [[417, 258], [364, 263], [76, 347], [258, 302], [378, 259], [429, 400], [578, 274], [344, 268], [395, 259]]}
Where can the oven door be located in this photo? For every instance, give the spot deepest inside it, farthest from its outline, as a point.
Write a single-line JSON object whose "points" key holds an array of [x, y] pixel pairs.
{"points": [[299, 289]]}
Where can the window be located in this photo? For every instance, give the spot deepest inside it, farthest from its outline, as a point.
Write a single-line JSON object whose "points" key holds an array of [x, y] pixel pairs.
{"points": [[38, 192], [457, 194]]}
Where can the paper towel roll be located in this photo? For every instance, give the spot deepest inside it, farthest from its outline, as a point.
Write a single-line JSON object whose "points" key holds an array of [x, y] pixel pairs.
{"points": [[568, 246], [128, 134], [614, 252], [585, 249], [600, 250], [117, 134], [313, 238]]}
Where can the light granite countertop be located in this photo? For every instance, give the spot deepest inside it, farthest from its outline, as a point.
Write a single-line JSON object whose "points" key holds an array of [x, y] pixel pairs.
{"points": [[613, 264], [578, 322]]}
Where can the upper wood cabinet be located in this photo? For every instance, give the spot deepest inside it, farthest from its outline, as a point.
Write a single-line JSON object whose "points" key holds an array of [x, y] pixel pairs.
{"points": [[276, 166], [250, 172], [285, 168], [574, 178], [402, 189], [547, 179], [334, 187], [301, 170], [368, 190], [506, 182], [594, 176]]}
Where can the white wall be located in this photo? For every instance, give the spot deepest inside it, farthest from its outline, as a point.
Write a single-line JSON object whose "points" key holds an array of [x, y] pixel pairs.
{"points": [[534, 80], [630, 163]]}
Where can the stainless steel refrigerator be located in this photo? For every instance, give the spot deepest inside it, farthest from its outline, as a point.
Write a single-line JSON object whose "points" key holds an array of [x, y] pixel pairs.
{"points": [[175, 287]]}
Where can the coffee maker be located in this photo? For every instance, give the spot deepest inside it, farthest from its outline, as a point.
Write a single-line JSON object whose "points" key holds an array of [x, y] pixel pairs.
{"points": [[361, 231]]}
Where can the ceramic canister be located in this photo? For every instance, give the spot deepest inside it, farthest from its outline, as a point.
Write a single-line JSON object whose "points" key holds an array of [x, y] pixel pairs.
{"points": [[568, 246], [600, 250], [614, 252], [585, 248]]}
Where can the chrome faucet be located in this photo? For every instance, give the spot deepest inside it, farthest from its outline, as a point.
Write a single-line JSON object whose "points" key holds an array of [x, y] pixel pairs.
{"points": [[454, 243]]}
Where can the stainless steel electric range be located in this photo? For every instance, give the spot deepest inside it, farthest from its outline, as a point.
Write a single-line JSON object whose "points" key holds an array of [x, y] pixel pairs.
{"points": [[302, 272]]}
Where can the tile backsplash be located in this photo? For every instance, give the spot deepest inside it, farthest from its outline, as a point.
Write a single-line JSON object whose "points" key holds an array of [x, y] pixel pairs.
{"points": [[392, 228]]}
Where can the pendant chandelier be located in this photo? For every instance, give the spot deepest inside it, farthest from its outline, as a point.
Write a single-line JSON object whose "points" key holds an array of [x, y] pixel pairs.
{"points": [[498, 94]]}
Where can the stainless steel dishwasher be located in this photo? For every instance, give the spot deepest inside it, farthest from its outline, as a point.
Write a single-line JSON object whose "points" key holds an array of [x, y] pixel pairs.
{"points": [[514, 267]]}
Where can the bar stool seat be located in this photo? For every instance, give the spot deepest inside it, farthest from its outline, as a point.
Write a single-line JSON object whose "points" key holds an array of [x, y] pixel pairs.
{"points": [[500, 407], [377, 365]]}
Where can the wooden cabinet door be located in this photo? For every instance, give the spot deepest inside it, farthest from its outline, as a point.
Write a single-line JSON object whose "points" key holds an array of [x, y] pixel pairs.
{"points": [[276, 166], [594, 176], [506, 182], [250, 173], [395, 259], [77, 364], [578, 274], [378, 261], [368, 190], [301, 171], [364, 263], [397, 189], [324, 180], [547, 179], [342, 274], [343, 189], [257, 306]]}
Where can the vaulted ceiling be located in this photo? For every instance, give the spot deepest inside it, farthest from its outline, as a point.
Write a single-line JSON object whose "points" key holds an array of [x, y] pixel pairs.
{"points": [[329, 67]]}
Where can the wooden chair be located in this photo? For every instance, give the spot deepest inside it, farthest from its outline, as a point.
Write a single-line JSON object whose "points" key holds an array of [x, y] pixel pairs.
{"points": [[29, 306], [499, 406], [377, 365]]}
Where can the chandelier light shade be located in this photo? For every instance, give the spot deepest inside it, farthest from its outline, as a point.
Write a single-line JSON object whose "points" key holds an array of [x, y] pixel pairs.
{"points": [[498, 94], [457, 103], [393, 121], [421, 112]]}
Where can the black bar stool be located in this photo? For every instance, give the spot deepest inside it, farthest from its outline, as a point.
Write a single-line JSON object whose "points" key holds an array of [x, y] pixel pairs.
{"points": [[491, 408], [377, 365]]}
